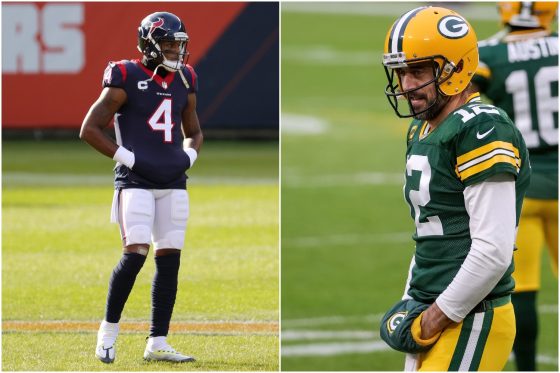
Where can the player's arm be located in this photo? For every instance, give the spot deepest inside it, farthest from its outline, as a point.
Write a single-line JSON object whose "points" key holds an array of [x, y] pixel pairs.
{"points": [[491, 208], [98, 118], [191, 129]]}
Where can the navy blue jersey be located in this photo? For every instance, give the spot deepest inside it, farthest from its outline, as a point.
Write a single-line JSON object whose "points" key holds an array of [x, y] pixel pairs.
{"points": [[149, 124]]}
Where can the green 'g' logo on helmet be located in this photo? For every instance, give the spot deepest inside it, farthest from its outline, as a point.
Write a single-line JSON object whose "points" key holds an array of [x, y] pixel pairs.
{"points": [[453, 27]]}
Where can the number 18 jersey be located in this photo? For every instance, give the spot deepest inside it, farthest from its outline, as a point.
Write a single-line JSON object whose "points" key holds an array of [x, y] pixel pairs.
{"points": [[519, 73], [474, 143]]}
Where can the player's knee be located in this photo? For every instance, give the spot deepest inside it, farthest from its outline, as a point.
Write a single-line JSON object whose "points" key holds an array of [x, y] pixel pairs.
{"points": [[138, 234], [141, 249], [172, 240]]}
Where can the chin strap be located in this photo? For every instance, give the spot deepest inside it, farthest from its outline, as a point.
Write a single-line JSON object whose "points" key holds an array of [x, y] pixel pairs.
{"points": [[185, 82], [184, 79], [154, 73]]}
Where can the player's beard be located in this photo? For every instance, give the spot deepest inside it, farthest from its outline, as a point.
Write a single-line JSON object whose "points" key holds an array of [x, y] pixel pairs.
{"points": [[435, 107]]}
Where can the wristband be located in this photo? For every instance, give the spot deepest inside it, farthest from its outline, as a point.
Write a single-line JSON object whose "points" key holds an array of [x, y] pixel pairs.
{"points": [[124, 156], [191, 152]]}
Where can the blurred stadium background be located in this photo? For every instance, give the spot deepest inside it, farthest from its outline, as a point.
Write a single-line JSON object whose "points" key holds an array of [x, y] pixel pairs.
{"points": [[346, 231], [58, 246]]}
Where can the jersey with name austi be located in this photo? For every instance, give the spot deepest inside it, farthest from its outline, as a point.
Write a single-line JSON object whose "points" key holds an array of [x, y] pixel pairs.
{"points": [[519, 73], [472, 144], [149, 124]]}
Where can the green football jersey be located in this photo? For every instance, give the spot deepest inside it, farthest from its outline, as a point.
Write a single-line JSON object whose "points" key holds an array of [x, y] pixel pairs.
{"points": [[473, 143], [521, 77]]}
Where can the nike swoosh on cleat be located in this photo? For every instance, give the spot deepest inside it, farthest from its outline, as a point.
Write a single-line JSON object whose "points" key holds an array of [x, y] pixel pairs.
{"points": [[480, 136], [107, 359]]}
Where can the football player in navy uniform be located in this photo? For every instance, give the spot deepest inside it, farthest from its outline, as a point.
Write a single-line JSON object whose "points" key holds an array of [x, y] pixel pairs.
{"points": [[158, 137]]}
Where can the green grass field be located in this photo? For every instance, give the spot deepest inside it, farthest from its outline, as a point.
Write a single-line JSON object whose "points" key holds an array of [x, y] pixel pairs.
{"points": [[346, 230], [59, 250]]}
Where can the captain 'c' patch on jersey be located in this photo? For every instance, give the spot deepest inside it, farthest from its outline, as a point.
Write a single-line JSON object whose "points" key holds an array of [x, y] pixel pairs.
{"points": [[486, 156]]}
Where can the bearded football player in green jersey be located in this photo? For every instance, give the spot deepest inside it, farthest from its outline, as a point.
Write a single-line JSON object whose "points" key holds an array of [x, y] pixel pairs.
{"points": [[466, 171], [518, 71]]}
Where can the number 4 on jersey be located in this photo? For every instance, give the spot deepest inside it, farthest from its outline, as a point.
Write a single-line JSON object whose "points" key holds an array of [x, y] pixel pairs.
{"points": [[163, 111]]}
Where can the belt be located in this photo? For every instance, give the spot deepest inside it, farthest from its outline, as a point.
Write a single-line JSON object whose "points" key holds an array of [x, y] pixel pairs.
{"points": [[487, 305]]}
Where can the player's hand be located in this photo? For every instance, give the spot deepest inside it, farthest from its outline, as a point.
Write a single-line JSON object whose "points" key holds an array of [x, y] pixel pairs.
{"points": [[433, 321], [156, 172]]}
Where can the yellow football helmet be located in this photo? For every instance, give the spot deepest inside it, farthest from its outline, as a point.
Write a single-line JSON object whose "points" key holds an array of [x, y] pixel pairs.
{"points": [[528, 14], [430, 34]]}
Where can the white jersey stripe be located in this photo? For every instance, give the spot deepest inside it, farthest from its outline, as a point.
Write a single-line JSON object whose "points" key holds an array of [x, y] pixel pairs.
{"points": [[472, 342], [486, 156], [118, 137]]}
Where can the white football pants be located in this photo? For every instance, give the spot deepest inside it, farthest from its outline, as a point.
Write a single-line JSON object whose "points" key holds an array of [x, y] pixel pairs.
{"points": [[151, 215]]}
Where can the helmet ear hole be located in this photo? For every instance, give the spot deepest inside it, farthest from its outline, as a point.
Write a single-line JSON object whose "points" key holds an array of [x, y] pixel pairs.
{"points": [[459, 67]]}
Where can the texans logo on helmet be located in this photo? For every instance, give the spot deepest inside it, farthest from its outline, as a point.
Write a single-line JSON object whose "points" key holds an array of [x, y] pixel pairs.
{"points": [[453, 27], [395, 320], [157, 24]]}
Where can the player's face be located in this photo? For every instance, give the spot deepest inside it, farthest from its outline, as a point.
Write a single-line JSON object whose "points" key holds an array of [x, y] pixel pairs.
{"points": [[171, 49], [421, 98], [413, 77]]}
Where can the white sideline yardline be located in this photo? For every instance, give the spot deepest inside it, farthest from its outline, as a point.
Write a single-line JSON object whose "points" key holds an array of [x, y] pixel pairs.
{"points": [[297, 124], [396, 9], [548, 308], [313, 335], [330, 349], [546, 359], [325, 55], [348, 239], [29, 178], [336, 180], [331, 320]]}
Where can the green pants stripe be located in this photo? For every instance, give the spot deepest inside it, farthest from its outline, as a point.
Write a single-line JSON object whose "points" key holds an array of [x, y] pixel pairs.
{"points": [[471, 342]]}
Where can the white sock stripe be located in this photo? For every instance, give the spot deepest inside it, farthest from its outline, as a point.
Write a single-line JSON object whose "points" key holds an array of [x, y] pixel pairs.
{"points": [[472, 342]]}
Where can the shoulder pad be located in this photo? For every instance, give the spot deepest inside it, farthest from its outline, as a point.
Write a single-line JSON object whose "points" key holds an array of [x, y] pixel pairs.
{"points": [[115, 74], [191, 77]]}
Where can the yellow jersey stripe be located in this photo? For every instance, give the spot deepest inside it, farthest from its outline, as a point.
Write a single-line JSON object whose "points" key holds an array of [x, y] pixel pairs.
{"points": [[484, 157], [483, 71], [486, 149], [473, 97], [501, 158]]}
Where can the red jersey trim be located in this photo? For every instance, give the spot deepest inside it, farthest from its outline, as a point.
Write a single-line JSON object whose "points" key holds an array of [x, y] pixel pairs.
{"points": [[193, 75], [122, 68], [158, 79]]}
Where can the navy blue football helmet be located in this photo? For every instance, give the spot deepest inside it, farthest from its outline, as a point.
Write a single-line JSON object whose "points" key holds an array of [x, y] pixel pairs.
{"points": [[158, 27]]}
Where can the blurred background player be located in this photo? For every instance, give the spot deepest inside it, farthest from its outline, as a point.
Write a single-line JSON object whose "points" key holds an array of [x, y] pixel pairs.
{"points": [[467, 170], [518, 71], [153, 103]]}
